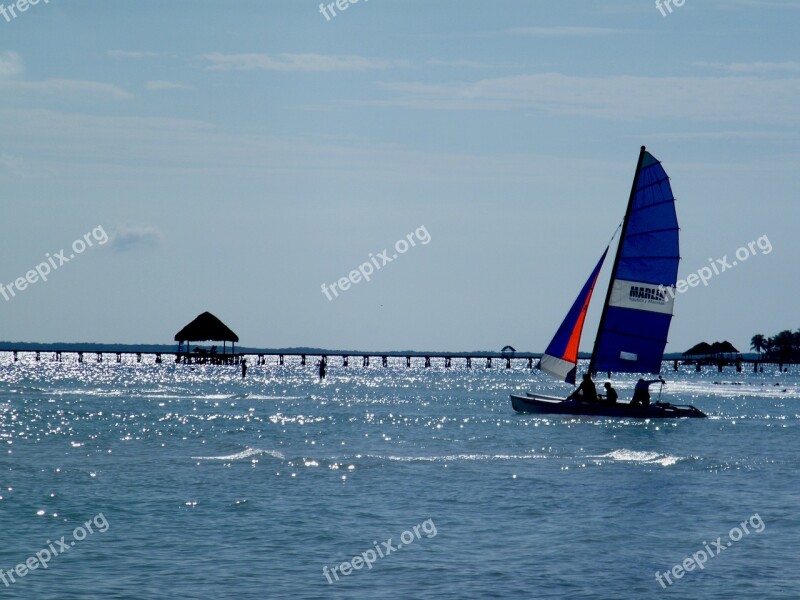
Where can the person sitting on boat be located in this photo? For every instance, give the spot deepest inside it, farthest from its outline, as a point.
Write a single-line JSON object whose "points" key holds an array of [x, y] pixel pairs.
{"points": [[641, 393], [611, 394], [586, 392]]}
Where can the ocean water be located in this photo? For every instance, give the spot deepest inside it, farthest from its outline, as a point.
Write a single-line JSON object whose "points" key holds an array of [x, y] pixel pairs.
{"points": [[171, 481]]}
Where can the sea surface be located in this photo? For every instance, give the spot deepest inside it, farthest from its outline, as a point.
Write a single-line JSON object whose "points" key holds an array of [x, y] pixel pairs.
{"points": [[147, 481]]}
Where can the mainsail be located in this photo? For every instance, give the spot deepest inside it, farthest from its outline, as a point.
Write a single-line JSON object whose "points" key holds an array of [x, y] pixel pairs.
{"points": [[638, 309], [561, 357]]}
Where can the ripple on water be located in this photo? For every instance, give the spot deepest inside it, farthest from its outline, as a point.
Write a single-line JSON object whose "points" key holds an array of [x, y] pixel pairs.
{"points": [[247, 453], [640, 456]]}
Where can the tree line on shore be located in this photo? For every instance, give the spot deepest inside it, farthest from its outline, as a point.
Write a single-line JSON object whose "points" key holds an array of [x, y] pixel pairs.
{"points": [[784, 345]]}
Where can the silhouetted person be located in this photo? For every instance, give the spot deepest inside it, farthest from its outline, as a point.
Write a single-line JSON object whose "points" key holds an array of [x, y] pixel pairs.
{"points": [[586, 392], [322, 368], [641, 393], [244, 368], [611, 394]]}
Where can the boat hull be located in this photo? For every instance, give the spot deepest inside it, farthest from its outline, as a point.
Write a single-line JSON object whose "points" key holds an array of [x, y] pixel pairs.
{"points": [[541, 404]]}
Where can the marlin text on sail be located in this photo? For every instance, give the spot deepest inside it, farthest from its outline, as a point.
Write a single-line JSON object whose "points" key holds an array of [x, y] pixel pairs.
{"points": [[653, 294]]}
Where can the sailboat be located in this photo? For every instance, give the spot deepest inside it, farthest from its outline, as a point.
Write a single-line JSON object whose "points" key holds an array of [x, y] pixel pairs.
{"points": [[638, 307]]}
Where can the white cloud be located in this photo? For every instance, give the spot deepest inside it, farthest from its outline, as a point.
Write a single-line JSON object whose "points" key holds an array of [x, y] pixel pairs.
{"points": [[129, 54], [65, 86], [618, 97], [10, 64], [468, 64], [13, 166], [561, 31], [759, 3], [761, 68], [295, 62], [742, 136], [131, 238], [556, 31], [166, 85]]}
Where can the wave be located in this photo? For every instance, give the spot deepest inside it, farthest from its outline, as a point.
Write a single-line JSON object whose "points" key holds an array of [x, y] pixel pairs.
{"points": [[25, 390], [246, 453], [457, 457], [640, 456]]}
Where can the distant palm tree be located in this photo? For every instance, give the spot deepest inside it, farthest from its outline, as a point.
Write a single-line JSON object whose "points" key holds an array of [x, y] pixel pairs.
{"points": [[783, 343], [758, 343]]}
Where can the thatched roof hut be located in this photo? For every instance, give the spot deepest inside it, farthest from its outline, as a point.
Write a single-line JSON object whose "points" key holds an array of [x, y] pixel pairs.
{"points": [[206, 327], [717, 349]]}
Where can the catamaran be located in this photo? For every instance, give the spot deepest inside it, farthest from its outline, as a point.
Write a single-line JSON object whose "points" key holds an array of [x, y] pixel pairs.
{"points": [[638, 308]]}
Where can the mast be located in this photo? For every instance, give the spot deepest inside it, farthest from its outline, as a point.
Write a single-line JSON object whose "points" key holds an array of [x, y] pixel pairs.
{"points": [[616, 258]]}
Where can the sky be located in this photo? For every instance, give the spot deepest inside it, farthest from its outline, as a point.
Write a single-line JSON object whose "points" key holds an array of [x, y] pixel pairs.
{"points": [[235, 157]]}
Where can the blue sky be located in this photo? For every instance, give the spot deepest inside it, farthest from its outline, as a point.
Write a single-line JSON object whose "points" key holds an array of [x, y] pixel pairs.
{"points": [[240, 155]]}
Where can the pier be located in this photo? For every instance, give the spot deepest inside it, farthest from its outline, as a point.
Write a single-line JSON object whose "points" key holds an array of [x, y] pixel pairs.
{"points": [[346, 359], [406, 359]]}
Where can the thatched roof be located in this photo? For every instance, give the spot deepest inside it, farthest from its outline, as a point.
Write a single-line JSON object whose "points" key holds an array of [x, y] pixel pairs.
{"points": [[724, 348], [204, 328], [699, 349], [704, 349]]}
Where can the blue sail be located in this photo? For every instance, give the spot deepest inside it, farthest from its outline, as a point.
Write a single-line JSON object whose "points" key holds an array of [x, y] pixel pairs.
{"points": [[561, 357], [638, 311]]}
